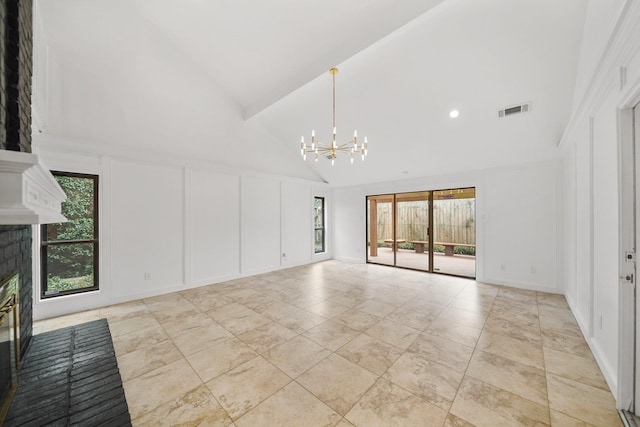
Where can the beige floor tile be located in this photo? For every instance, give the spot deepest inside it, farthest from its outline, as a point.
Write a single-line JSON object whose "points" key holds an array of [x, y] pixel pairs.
{"points": [[132, 324], [347, 300], [303, 300], [386, 404], [523, 380], [451, 354], [413, 318], [453, 421], [370, 353], [245, 323], [558, 419], [502, 384], [230, 311], [577, 368], [301, 321], [277, 310], [469, 318], [210, 302], [186, 324], [142, 338], [511, 348], [458, 332], [292, 406], [475, 306], [199, 338], [551, 311], [482, 405], [515, 330], [220, 357], [173, 314], [377, 308], [197, 407], [327, 309], [337, 382], [331, 335], [159, 387], [566, 343], [147, 359], [554, 300], [562, 325], [581, 401], [124, 311], [437, 297], [356, 319], [516, 315], [433, 382], [165, 302], [244, 387], [267, 336], [296, 355], [393, 333]]}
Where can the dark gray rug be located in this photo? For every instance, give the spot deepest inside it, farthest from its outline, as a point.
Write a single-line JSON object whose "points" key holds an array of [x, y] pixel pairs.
{"points": [[70, 377]]}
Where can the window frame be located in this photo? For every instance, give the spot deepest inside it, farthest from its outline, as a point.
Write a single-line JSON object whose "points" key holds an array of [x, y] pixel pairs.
{"points": [[95, 241], [323, 228]]}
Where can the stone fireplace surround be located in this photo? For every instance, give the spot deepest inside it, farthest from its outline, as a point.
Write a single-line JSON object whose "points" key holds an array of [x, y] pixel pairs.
{"points": [[15, 257]]}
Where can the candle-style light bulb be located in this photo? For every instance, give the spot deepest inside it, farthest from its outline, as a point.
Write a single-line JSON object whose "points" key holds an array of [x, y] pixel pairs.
{"points": [[333, 161]]}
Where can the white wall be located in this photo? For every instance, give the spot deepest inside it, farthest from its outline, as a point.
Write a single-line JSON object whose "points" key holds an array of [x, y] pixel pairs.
{"points": [[608, 78], [519, 217], [168, 225]]}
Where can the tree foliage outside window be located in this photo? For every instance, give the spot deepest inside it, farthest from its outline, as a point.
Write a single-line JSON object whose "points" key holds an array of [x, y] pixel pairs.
{"points": [[318, 224], [70, 249]]}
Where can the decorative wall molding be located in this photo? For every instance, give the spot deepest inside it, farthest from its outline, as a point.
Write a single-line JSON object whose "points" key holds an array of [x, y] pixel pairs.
{"points": [[28, 192], [623, 43]]}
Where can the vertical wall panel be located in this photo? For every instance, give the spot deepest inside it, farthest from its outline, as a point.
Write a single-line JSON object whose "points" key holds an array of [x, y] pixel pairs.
{"points": [[605, 233], [296, 222], [148, 223], [260, 224], [215, 231]]}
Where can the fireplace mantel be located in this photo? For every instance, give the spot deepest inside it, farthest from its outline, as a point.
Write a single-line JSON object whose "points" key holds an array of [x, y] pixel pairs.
{"points": [[29, 194]]}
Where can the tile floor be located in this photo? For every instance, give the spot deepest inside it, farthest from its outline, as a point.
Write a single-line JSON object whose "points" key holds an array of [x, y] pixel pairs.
{"points": [[335, 344]]}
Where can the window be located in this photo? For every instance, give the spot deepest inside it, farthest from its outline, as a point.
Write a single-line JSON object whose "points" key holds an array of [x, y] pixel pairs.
{"points": [[69, 250], [318, 224]]}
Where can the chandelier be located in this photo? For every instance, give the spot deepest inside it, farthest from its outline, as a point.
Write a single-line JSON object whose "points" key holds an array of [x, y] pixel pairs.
{"points": [[350, 148]]}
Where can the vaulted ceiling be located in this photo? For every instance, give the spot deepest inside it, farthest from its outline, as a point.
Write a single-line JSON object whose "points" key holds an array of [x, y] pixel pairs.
{"points": [[239, 82]]}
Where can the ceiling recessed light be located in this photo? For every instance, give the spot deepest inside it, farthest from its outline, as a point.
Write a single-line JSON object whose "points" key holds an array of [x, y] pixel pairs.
{"points": [[454, 113]]}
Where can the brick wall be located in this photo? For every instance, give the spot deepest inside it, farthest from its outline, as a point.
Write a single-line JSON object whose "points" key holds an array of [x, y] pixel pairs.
{"points": [[16, 64], [16, 46]]}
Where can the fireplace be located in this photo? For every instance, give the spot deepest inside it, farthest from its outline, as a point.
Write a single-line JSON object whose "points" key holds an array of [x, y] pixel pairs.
{"points": [[9, 341]]}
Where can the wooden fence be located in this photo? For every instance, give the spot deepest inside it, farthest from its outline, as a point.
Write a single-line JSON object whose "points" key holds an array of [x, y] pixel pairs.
{"points": [[453, 221]]}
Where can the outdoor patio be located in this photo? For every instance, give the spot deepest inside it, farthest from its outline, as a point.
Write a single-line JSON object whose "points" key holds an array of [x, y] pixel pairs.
{"points": [[459, 265]]}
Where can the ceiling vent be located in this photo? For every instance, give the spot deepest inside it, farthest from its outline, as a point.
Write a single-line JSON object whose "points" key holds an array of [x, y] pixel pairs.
{"points": [[515, 109]]}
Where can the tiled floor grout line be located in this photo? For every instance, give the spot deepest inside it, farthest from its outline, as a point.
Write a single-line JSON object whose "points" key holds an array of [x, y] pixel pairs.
{"points": [[365, 298]]}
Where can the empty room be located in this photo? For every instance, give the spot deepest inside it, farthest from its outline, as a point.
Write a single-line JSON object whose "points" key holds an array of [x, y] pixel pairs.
{"points": [[319, 213]]}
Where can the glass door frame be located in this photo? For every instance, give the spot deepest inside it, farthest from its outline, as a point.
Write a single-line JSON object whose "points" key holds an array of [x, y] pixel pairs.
{"points": [[371, 217]]}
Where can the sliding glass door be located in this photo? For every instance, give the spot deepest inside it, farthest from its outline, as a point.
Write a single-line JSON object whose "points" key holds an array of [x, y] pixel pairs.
{"points": [[431, 231], [412, 225], [454, 231], [381, 229]]}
